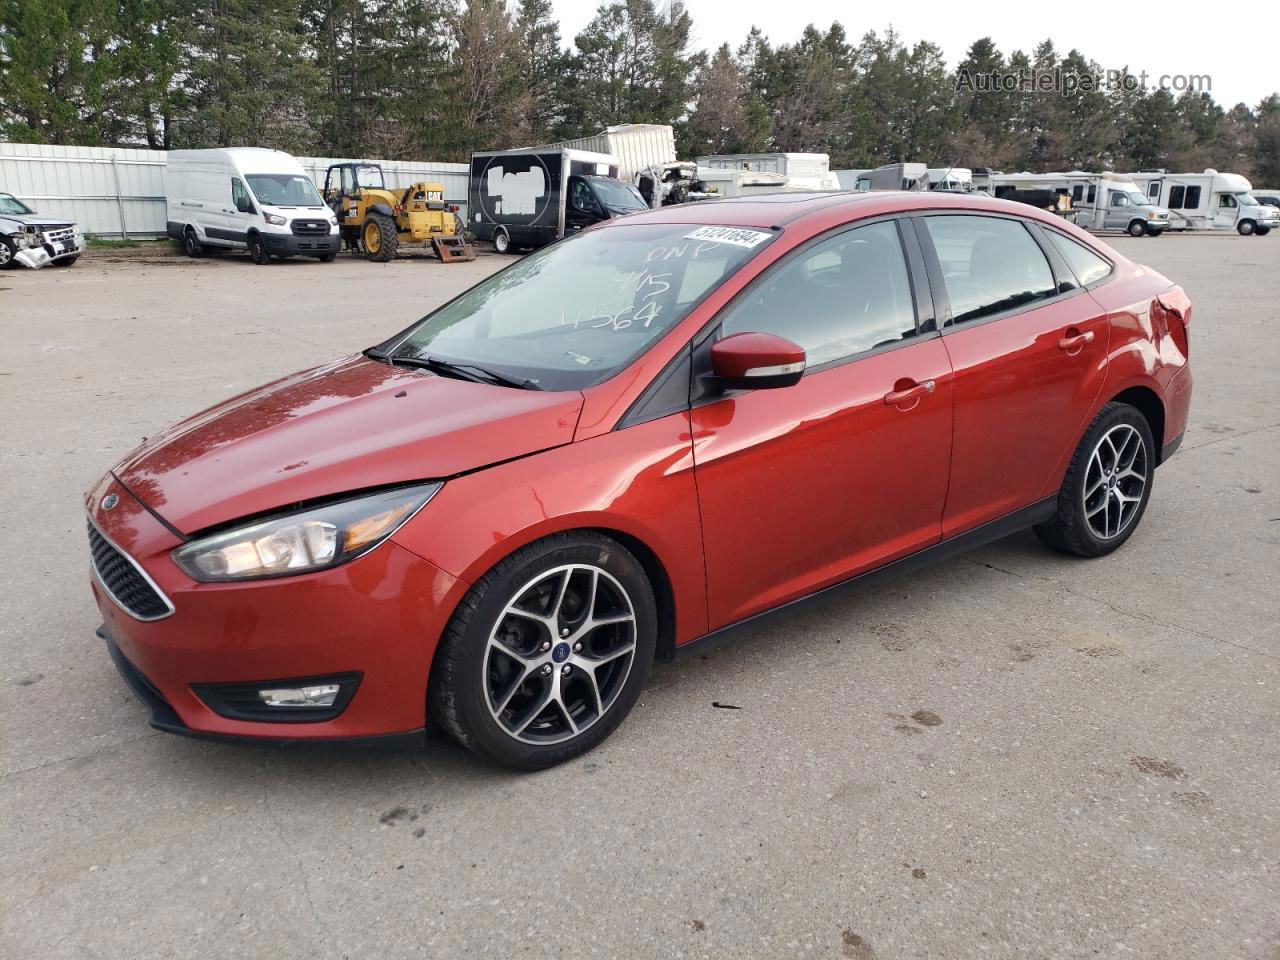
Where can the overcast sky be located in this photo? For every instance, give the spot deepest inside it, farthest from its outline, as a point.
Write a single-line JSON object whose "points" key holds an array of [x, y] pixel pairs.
{"points": [[1235, 51]]}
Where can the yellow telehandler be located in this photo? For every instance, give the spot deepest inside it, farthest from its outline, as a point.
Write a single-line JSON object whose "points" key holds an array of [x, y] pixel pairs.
{"points": [[379, 221]]}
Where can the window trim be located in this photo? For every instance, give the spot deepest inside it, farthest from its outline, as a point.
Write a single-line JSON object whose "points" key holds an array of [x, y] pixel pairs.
{"points": [[937, 281], [1111, 274]]}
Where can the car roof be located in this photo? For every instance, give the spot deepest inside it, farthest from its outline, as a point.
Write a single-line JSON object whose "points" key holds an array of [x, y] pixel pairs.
{"points": [[797, 207]]}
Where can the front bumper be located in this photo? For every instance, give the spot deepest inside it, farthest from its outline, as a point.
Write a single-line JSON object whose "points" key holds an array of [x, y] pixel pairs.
{"points": [[380, 615], [43, 254], [291, 245]]}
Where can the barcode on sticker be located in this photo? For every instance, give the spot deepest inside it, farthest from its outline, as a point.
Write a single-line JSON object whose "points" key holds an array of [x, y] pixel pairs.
{"points": [[734, 235]]}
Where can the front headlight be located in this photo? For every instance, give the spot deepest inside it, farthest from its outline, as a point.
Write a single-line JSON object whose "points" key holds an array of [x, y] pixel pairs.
{"points": [[305, 541], [275, 219]]}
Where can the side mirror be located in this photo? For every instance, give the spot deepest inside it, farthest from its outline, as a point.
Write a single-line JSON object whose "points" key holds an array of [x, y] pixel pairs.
{"points": [[244, 205], [756, 361]]}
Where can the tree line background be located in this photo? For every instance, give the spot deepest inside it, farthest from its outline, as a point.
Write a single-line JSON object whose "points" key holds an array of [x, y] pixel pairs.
{"points": [[436, 79]]}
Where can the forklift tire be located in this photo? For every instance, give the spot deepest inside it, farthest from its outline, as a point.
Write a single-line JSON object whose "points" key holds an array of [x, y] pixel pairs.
{"points": [[502, 240], [379, 238], [1245, 228], [258, 250], [1137, 228]]}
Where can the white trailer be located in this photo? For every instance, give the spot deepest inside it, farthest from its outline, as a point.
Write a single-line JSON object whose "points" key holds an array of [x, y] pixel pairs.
{"points": [[1095, 201], [1208, 201], [637, 146], [804, 171], [722, 182]]}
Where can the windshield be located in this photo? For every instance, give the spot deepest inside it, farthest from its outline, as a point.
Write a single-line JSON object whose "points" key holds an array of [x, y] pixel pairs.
{"points": [[1245, 199], [12, 205], [616, 195], [284, 190], [575, 313], [369, 176]]}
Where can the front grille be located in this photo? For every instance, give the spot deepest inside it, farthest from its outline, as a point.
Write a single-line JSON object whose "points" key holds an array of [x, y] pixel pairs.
{"points": [[125, 581], [310, 228], [58, 234]]}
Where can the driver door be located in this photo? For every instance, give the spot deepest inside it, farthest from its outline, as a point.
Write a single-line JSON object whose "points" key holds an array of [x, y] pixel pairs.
{"points": [[1117, 217], [804, 486], [1225, 213], [582, 208]]}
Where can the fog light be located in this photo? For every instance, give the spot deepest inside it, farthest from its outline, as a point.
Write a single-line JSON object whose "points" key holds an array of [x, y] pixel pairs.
{"points": [[322, 695]]}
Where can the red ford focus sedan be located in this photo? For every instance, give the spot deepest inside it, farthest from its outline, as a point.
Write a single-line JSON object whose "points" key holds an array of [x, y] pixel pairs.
{"points": [[626, 446]]}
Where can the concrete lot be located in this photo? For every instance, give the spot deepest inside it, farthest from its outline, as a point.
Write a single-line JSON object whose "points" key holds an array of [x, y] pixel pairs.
{"points": [[1017, 754]]}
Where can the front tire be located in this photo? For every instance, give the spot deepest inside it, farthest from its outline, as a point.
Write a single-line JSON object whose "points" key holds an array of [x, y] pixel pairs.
{"points": [[379, 238], [1245, 228], [7, 253], [1107, 486], [1137, 228], [1262, 231], [258, 250], [547, 652]]}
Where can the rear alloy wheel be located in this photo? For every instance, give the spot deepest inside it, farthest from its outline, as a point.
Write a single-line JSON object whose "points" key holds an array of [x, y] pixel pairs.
{"points": [[1137, 228], [379, 238], [1245, 228], [1107, 486], [548, 652], [191, 244], [501, 241], [258, 250]]}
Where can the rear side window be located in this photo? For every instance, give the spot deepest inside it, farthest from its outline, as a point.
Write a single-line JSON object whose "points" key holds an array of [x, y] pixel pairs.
{"points": [[1085, 264], [989, 265], [1193, 198], [845, 295], [1175, 197]]}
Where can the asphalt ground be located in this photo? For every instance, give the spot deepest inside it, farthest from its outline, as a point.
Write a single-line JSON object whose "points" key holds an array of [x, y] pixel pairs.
{"points": [[1013, 754]]}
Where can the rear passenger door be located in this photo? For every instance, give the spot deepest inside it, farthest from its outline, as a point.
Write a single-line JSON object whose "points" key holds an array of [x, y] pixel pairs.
{"points": [[1028, 346]]}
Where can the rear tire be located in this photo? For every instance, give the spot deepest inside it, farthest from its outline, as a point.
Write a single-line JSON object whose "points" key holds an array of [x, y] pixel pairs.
{"points": [[1137, 228], [379, 238], [258, 250], [1245, 228], [191, 244], [501, 240], [547, 652], [1107, 486]]}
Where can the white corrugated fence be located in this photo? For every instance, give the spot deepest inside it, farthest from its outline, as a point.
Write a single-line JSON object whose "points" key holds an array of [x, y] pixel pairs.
{"points": [[119, 192]]}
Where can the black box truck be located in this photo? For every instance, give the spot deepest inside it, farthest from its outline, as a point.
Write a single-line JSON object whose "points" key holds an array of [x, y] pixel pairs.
{"points": [[528, 198]]}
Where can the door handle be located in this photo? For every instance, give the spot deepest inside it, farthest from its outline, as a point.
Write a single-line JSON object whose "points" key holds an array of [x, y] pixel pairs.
{"points": [[895, 397], [1074, 342]]}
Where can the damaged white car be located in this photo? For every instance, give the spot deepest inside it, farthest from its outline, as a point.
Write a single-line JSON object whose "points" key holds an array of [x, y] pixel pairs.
{"points": [[35, 241]]}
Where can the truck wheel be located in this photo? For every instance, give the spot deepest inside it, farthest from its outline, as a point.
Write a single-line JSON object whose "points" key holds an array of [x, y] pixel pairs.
{"points": [[1245, 227], [501, 240], [191, 245], [1137, 228], [1262, 231], [6, 254], [379, 238], [258, 250], [1155, 233]]}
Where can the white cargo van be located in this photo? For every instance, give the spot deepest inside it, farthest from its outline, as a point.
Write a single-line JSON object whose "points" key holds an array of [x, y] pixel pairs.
{"points": [[246, 198], [1208, 201]]}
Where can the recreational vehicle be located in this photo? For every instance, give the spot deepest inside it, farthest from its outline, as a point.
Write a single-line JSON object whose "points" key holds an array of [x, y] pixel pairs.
{"points": [[804, 171], [1095, 201], [527, 198], [1208, 201]]}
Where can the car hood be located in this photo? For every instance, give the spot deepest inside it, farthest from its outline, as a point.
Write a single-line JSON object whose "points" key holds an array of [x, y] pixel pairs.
{"points": [[32, 221], [347, 425]]}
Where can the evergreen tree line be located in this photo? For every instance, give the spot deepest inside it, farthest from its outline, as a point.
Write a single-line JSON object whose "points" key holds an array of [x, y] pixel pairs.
{"points": [[436, 79]]}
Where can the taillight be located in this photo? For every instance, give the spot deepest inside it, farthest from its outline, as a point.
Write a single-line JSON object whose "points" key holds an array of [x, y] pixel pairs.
{"points": [[454, 208]]}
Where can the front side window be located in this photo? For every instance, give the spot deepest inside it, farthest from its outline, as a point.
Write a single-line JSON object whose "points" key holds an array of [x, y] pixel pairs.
{"points": [[575, 313], [13, 206], [284, 190], [1084, 263], [240, 196], [1226, 200], [580, 196], [989, 265], [1119, 200], [842, 296]]}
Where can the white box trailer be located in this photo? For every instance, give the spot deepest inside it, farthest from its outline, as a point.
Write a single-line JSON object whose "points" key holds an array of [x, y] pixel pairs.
{"points": [[635, 146], [1208, 201], [721, 182], [1095, 201], [804, 171]]}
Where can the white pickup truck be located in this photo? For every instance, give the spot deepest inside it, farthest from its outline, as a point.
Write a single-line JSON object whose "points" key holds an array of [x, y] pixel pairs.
{"points": [[34, 241]]}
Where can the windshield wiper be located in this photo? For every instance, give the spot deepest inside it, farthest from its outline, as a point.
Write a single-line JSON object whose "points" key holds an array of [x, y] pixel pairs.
{"points": [[463, 371]]}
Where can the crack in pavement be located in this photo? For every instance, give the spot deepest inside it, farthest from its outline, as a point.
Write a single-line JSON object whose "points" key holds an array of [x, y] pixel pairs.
{"points": [[1230, 436], [78, 756]]}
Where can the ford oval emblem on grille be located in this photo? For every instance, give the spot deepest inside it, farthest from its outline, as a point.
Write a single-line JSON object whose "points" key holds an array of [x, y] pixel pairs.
{"points": [[109, 501]]}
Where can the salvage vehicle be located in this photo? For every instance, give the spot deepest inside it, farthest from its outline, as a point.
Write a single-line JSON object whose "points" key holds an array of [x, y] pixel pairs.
{"points": [[29, 240], [246, 198], [628, 446], [1209, 201], [380, 221], [529, 198]]}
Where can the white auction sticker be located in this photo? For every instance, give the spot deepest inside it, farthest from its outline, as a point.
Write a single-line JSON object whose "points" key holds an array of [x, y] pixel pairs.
{"points": [[734, 235]]}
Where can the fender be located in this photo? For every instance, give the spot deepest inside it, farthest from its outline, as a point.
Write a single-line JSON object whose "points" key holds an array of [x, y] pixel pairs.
{"points": [[381, 208]]}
